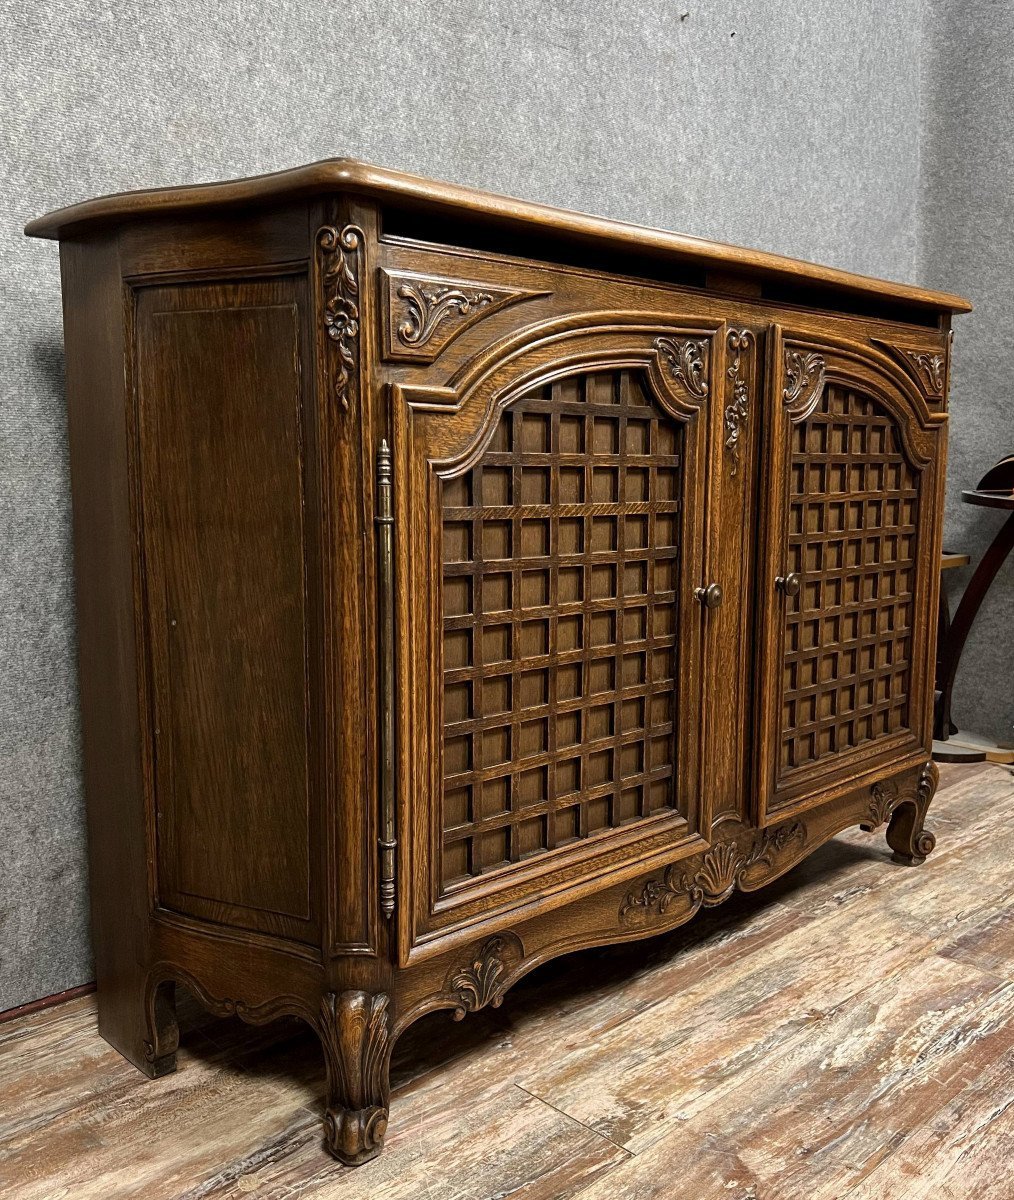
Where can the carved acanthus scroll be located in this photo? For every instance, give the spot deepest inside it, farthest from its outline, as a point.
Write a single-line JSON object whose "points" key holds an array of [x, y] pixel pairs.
{"points": [[688, 362], [804, 382], [426, 307], [483, 979], [425, 314]]}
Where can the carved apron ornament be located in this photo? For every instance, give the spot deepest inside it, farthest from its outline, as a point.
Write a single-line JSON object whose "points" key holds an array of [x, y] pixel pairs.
{"points": [[483, 980], [718, 874]]}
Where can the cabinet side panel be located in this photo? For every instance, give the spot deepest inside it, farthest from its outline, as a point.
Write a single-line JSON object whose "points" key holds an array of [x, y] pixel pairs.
{"points": [[107, 659], [221, 431]]}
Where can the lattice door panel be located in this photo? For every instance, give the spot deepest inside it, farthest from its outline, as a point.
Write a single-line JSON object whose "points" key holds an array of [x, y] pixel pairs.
{"points": [[560, 562], [853, 524]]}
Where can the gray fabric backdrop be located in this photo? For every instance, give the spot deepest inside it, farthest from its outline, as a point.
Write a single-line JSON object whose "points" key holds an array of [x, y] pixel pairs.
{"points": [[822, 130]]}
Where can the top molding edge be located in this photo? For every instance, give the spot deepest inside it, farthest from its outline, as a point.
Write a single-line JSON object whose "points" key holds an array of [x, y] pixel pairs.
{"points": [[434, 196]]}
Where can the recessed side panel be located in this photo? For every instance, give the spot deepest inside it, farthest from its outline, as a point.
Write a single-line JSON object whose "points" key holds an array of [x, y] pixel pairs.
{"points": [[221, 429]]}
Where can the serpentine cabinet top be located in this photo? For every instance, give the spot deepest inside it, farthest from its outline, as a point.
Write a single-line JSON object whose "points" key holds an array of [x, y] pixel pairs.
{"points": [[513, 219]]}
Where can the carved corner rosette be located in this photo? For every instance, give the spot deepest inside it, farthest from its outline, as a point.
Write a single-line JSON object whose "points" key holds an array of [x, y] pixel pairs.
{"points": [[711, 879], [687, 360], [805, 374], [737, 411], [339, 251], [484, 978], [354, 1029]]}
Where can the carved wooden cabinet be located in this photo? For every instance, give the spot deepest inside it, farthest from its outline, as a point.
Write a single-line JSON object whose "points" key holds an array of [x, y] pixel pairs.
{"points": [[462, 582]]}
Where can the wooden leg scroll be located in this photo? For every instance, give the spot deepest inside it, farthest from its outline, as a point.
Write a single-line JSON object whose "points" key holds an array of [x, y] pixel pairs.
{"points": [[355, 1033], [906, 836]]}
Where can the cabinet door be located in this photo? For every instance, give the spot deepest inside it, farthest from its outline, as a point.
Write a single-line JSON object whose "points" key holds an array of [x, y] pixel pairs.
{"points": [[849, 574], [550, 536]]}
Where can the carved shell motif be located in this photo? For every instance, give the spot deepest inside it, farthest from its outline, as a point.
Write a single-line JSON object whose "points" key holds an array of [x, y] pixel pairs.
{"points": [[688, 362], [720, 872], [804, 382], [716, 880]]}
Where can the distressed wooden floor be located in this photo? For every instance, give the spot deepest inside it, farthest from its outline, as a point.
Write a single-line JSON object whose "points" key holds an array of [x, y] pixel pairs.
{"points": [[846, 1033]]}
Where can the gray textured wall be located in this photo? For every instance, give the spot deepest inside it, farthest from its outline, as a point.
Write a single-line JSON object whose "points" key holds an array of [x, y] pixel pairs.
{"points": [[967, 214], [788, 126]]}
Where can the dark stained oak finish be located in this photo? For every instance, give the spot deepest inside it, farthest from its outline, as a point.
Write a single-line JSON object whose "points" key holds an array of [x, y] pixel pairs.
{"points": [[463, 582]]}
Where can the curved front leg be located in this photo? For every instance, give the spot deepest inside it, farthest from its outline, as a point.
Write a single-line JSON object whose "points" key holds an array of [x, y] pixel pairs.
{"points": [[906, 836], [354, 1030]]}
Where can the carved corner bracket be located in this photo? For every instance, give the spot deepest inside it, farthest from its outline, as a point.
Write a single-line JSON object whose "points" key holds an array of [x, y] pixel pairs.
{"points": [[687, 360], [338, 265], [737, 411], [712, 878], [425, 313], [804, 377], [926, 368], [485, 977]]}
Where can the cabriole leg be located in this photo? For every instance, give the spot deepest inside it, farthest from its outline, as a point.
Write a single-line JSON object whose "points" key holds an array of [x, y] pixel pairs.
{"points": [[906, 836], [355, 1034]]}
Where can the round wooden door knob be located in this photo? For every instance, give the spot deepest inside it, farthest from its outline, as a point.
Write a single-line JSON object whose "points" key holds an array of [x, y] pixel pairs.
{"points": [[710, 596]]}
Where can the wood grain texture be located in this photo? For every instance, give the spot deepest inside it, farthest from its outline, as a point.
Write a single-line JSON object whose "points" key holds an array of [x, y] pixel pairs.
{"points": [[221, 440], [879, 1068]]}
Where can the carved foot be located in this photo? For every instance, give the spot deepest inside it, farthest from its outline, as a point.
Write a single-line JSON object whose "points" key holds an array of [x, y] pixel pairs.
{"points": [[906, 836], [355, 1034], [163, 1034]]}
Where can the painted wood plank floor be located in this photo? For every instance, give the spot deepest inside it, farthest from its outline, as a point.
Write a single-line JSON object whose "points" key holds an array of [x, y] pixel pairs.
{"points": [[846, 1033]]}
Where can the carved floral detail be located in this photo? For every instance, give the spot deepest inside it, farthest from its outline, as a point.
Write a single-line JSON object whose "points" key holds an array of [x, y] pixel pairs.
{"points": [[688, 362], [483, 979], [883, 801], [930, 369], [355, 1034], [804, 381], [339, 251], [427, 307], [736, 413], [719, 872]]}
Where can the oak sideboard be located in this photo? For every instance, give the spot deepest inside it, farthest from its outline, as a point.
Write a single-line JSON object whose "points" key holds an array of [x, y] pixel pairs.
{"points": [[462, 582]]}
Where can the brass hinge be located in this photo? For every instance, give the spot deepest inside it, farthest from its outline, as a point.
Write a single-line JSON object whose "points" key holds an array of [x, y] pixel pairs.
{"points": [[385, 587]]}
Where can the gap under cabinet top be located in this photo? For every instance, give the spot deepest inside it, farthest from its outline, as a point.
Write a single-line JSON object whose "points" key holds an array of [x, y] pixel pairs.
{"points": [[511, 217]]}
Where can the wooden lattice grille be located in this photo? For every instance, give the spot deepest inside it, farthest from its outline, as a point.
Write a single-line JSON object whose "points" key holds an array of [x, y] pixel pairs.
{"points": [[853, 517], [560, 552]]}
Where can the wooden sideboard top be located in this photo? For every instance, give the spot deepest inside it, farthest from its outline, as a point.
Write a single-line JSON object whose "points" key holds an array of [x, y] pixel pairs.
{"points": [[508, 216]]}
